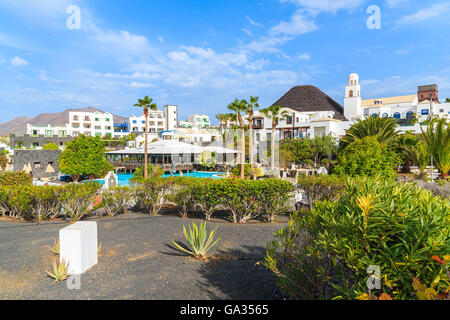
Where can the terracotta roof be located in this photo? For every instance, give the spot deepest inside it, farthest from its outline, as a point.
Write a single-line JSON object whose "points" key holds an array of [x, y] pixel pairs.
{"points": [[310, 99], [388, 100]]}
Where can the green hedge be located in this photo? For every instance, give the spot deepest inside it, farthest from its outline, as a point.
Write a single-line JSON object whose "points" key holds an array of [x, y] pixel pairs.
{"points": [[15, 178], [37, 203]]}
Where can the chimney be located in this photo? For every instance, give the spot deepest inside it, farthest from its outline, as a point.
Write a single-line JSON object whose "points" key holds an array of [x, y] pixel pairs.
{"points": [[428, 92]]}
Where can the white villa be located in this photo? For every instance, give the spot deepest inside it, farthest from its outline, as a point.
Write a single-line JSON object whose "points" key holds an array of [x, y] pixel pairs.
{"points": [[310, 112]]}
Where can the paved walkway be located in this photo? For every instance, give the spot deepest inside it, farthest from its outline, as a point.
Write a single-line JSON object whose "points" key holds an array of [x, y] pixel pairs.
{"points": [[137, 262]]}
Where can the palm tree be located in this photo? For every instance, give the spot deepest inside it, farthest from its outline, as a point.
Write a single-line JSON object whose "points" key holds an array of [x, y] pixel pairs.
{"points": [[416, 151], [274, 113], [252, 106], [239, 107], [146, 103], [437, 139], [222, 117], [385, 129]]}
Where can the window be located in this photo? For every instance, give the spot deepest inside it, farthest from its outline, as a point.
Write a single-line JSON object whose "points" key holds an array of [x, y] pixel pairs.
{"points": [[75, 118], [107, 119], [35, 132], [97, 119], [397, 115], [351, 93], [134, 121], [87, 118], [441, 110], [288, 120], [374, 115], [424, 112], [143, 121], [49, 133], [37, 165], [410, 114], [385, 115]]}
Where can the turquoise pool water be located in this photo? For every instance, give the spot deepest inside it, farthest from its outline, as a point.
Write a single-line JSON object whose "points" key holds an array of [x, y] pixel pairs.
{"points": [[124, 179]]}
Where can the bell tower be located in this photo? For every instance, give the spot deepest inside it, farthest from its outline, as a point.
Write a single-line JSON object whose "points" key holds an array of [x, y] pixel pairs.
{"points": [[352, 101]]}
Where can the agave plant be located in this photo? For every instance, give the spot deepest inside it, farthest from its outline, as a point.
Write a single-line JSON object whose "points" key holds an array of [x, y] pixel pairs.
{"points": [[59, 271], [197, 240], [437, 139], [55, 248]]}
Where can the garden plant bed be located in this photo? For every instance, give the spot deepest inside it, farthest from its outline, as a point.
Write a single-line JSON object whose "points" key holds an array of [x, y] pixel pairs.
{"points": [[137, 261]]}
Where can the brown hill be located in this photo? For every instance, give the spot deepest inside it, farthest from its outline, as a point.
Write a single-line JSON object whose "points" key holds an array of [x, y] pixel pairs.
{"points": [[19, 125]]}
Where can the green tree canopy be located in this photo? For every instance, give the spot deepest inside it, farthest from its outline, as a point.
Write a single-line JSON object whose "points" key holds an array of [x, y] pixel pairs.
{"points": [[84, 156], [325, 146], [299, 150], [367, 157], [51, 146]]}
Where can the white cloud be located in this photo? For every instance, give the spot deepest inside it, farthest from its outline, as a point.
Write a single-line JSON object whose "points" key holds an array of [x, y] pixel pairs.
{"points": [[425, 14], [300, 23], [304, 56], [253, 23], [395, 3], [326, 5], [18, 62], [136, 84], [247, 31], [161, 39]]}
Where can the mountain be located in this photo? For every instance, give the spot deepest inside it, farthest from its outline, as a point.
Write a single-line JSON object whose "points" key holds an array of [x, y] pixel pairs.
{"points": [[19, 125]]}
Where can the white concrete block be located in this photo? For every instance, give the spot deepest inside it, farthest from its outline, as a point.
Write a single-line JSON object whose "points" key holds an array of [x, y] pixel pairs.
{"points": [[78, 246]]}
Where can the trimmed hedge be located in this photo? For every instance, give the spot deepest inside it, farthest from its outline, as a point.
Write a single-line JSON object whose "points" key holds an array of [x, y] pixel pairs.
{"points": [[15, 178]]}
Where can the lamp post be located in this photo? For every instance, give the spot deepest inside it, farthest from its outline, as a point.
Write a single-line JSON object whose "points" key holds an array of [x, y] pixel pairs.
{"points": [[430, 119]]}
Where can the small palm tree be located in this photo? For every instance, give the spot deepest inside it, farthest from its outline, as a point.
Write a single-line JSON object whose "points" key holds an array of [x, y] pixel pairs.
{"points": [[274, 113], [385, 129], [222, 117], [146, 103], [240, 107], [437, 140], [252, 106]]}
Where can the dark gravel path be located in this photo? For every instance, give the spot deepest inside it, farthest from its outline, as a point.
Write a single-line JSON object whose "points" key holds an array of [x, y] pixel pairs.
{"points": [[137, 262]]}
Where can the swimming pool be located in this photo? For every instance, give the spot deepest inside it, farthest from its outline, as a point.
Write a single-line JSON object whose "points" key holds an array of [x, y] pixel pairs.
{"points": [[124, 179]]}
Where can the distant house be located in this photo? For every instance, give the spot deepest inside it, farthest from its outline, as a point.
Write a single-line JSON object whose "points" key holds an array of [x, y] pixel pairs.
{"points": [[38, 141], [41, 164]]}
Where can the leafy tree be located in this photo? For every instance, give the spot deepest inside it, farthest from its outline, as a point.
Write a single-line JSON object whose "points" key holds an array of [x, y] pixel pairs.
{"points": [[367, 157], [146, 103], [51, 146], [239, 107], [152, 172], [325, 146], [300, 150], [384, 129], [274, 113], [84, 156], [437, 139], [447, 100]]}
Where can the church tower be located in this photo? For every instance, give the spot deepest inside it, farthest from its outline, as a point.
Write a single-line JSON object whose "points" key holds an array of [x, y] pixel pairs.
{"points": [[352, 101]]}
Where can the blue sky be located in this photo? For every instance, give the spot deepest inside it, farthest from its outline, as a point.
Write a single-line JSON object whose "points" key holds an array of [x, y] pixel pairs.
{"points": [[201, 54]]}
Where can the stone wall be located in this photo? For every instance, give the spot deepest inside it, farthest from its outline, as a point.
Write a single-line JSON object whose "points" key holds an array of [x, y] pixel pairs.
{"points": [[30, 141], [43, 164]]}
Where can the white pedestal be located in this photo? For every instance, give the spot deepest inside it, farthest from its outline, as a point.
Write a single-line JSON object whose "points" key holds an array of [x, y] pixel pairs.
{"points": [[78, 246]]}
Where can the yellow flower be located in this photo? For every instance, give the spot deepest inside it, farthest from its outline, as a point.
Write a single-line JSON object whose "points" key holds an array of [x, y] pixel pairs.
{"points": [[365, 203], [363, 296]]}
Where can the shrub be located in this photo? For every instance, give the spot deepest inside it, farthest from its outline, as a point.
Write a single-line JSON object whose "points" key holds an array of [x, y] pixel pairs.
{"points": [[207, 195], [183, 194], [247, 170], [44, 202], [153, 172], [367, 157], [19, 202], [395, 227], [15, 178], [150, 194], [50, 146], [319, 188], [239, 196], [116, 200], [272, 197], [78, 199]]}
